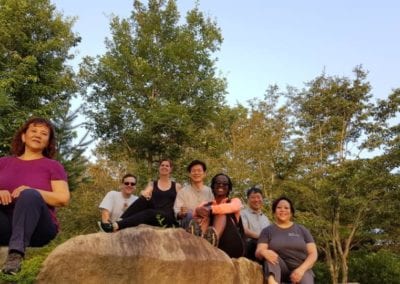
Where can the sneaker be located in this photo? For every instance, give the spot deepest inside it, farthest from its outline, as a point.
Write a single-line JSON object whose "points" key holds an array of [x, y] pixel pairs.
{"points": [[211, 236], [106, 227], [194, 228], [13, 263]]}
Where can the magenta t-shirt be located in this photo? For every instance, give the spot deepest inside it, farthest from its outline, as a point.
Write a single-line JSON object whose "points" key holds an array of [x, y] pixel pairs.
{"points": [[39, 173]]}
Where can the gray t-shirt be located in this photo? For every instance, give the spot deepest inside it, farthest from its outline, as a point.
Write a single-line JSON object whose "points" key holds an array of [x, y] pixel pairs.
{"points": [[289, 243]]}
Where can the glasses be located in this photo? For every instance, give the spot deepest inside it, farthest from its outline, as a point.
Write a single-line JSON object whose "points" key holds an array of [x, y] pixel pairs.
{"points": [[130, 183]]}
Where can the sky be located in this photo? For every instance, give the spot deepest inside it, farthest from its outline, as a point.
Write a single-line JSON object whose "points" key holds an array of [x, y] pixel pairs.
{"points": [[287, 43], [275, 42]]}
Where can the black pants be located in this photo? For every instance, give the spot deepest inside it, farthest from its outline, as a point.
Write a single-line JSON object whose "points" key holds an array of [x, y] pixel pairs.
{"points": [[142, 211], [251, 246], [26, 223]]}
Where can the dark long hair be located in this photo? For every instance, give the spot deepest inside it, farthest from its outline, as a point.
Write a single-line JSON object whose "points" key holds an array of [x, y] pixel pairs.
{"points": [[18, 147]]}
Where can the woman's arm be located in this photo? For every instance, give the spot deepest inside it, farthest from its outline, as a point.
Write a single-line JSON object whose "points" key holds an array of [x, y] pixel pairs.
{"points": [[262, 252], [308, 263], [178, 187], [147, 191], [225, 208], [59, 196]]}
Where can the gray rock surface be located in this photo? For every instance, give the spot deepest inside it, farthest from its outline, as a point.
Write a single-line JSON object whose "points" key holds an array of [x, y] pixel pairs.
{"points": [[145, 254]]}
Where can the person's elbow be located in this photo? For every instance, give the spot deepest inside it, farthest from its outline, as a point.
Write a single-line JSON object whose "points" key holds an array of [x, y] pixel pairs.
{"points": [[313, 252], [258, 253], [63, 199]]}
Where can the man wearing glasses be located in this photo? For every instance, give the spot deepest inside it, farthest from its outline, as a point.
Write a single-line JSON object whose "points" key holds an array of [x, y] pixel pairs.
{"points": [[116, 202]]}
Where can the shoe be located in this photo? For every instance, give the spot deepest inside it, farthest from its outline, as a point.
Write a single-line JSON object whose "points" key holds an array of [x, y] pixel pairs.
{"points": [[211, 236], [194, 228], [106, 227], [13, 263]]}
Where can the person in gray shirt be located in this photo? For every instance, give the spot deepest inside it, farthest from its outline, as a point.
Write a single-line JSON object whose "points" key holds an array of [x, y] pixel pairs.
{"points": [[254, 220], [288, 249]]}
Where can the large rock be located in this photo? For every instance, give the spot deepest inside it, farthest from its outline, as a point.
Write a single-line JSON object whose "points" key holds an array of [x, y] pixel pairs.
{"points": [[145, 254]]}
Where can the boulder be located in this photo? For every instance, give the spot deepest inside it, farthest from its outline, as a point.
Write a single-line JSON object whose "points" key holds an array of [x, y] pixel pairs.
{"points": [[145, 254]]}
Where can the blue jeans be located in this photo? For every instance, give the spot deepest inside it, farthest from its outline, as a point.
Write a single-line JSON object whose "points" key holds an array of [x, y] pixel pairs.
{"points": [[26, 223]]}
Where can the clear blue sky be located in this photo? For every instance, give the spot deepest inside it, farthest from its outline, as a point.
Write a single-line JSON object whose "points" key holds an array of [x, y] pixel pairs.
{"points": [[276, 42]]}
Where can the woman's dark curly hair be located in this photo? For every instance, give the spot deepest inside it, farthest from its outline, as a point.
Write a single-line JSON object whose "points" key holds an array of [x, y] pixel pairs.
{"points": [[18, 147], [213, 181]]}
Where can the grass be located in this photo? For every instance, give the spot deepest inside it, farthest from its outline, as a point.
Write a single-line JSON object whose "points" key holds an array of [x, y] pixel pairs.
{"points": [[32, 263]]}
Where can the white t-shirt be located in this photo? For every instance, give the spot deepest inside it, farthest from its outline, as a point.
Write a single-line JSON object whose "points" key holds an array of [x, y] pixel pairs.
{"points": [[116, 203]]}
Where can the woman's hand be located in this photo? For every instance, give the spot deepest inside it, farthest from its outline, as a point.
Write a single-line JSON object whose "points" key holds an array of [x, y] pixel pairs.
{"points": [[203, 211], [148, 191], [5, 197], [16, 193], [297, 275], [271, 256], [146, 194]]}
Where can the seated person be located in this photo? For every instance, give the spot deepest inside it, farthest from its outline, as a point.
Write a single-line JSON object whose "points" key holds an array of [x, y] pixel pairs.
{"points": [[254, 220], [116, 202], [32, 185], [192, 194], [219, 221], [154, 206], [288, 249]]}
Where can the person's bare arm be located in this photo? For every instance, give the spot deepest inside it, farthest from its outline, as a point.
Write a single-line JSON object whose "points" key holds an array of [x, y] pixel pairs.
{"points": [[59, 196], [147, 192], [312, 255], [263, 252], [105, 215]]}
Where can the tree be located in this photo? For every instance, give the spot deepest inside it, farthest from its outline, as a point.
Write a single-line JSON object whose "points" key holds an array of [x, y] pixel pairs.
{"points": [[71, 154], [155, 88], [34, 79], [260, 149], [341, 191]]}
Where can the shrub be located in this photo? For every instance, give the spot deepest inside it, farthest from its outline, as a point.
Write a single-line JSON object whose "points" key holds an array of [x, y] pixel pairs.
{"points": [[374, 267]]}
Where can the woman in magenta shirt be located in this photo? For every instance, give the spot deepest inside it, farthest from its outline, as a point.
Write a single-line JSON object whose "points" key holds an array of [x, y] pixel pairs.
{"points": [[32, 184]]}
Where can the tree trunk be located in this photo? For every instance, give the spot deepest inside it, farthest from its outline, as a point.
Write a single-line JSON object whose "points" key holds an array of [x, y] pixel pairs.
{"points": [[345, 271]]}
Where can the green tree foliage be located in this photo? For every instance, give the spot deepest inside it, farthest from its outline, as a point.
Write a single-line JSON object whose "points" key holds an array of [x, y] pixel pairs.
{"points": [[155, 88], [34, 80], [375, 267], [260, 149], [342, 193], [70, 154]]}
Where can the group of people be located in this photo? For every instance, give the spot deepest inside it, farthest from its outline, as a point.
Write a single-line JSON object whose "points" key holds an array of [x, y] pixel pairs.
{"points": [[33, 184], [286, 249]]}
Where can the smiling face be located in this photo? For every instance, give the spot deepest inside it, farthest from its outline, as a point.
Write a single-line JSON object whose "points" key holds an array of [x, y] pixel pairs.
{"points": [[128, 186], [221, 187], [283, 213], [36, 137], [197, 174], [165, 168], [255, 201]]}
